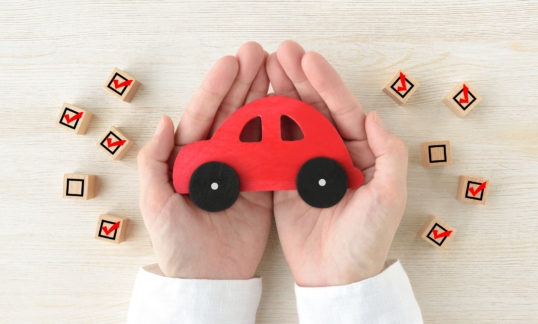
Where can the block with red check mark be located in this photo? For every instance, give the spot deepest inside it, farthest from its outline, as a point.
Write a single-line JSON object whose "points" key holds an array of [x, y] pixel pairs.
{"points": [[79, 186], [473, 190], [121, 85], [114, 143], [111, 228], [400, 87], [462, 99], [436, 232], [74, 119]]}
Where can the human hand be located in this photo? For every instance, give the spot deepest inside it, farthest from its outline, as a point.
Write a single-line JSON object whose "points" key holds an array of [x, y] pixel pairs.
{"points": [[189, 242], [350, 241]]}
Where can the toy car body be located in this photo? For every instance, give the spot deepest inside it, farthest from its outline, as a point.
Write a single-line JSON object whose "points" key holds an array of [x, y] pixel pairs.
{"points": [[270, 164]]}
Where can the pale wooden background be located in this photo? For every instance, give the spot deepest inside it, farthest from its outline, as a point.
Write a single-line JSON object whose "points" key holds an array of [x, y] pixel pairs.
{"points": [[51, 268]]}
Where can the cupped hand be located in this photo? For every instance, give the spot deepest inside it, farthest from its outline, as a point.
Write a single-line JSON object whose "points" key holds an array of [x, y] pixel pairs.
{"points": [[189, 242], [350, 241]]}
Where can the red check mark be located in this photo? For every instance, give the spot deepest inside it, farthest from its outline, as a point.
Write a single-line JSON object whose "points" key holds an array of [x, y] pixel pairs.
{"points": [[465, 98], [436, 234], [69, 120], [478, 189], [112, 228], [403, 87], [123, 84], [109, 142]]}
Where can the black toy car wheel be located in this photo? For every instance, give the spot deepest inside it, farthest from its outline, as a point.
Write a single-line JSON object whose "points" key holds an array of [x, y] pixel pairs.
{"points": [[321, 182], [214, 186]]}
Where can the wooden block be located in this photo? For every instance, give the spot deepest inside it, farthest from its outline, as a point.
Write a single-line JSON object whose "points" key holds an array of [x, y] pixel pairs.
{"points": [[437, 232], [401, 87], [114, 143], [436, 153], [79, 186], [74, 119], [462, 99], [473, 190], [121, 85], [111, 228]]}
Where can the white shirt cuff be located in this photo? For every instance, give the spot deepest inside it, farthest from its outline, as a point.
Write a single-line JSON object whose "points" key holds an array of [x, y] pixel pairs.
{"points": [[385, 298], [159, 299]]}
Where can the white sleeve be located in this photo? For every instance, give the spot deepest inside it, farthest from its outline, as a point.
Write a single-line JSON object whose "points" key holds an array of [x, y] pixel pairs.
{"points": [[158, 299], [385, 298]]}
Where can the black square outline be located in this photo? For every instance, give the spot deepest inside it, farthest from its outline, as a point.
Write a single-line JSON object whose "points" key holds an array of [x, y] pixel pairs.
{"points": [[112, 81], [101, 229], [469, 104], [472, 197], [67, 188], [63, 117], [408, 90], [106, 147], [430, 153], [433, 240]]}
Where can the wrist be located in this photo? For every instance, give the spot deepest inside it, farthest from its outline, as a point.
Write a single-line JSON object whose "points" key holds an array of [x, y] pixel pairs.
{"points": [[339, 277]]}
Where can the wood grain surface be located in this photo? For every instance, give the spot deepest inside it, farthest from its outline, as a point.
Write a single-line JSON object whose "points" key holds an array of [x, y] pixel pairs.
{"points": [[52, 270]]}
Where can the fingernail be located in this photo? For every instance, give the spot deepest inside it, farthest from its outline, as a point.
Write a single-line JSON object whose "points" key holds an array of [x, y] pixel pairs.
{"points": [[379, 121], [159, 126]]}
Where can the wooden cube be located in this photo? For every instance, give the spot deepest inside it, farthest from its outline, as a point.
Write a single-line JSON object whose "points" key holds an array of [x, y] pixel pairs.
{"points": [[79, 186], [74, 119], [462, 99], [436, 153], [436, 232], [401, 87], [114, 143], [111, 228], [121, 85], [473, 190]]}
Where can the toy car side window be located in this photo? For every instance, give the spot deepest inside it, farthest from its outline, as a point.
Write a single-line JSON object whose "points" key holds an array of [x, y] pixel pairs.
{"points": [[289, 129], [252, 131]]}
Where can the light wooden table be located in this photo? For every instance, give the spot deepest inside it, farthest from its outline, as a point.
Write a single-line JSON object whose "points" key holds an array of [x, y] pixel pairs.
{"points": [[53, 271]]}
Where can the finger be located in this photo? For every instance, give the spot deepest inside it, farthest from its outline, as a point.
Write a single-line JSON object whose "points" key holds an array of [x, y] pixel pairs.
{"points": [[251, 57], [282, 85], [290, 55], [198, 117], [260, 85], [390, 153], [152, 163], [345, 108]]}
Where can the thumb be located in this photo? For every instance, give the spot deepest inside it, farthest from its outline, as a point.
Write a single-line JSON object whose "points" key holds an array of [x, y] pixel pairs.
{"points": [[152, 160], [390, 153]]}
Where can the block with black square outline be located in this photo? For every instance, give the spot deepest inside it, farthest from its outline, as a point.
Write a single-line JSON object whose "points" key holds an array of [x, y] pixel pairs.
{"points": [[470, 190], [436, 153], [74, 119], [460, 103], [114, 143], [121, 85], [436, 232], [78, 186], [111, 228], [401, 87]]}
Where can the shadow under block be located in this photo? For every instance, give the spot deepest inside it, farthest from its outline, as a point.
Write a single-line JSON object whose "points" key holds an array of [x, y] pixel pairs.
{"points": [[111, 228], [473, 190], [401, 87], [114, 143], [79, 186], [121, 85], [437, 153], [462, 99], [74, 119], [436, 232]]}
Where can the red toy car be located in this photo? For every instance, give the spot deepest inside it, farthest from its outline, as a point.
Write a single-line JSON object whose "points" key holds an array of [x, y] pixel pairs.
{"points": [[214, 171]]}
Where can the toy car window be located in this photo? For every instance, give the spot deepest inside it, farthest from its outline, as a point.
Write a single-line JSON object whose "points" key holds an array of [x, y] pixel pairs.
{"points": [[290, 130], [252, 131]]}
